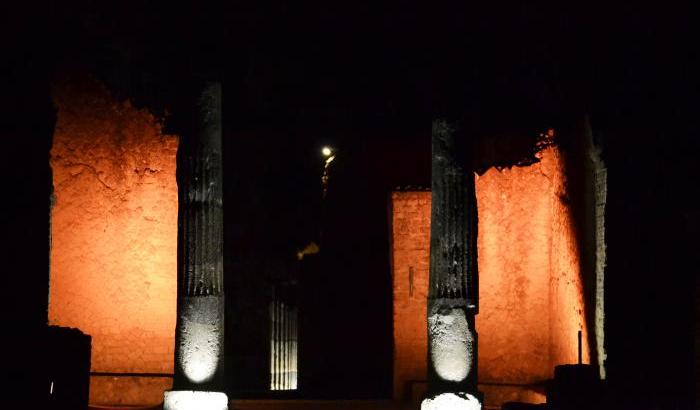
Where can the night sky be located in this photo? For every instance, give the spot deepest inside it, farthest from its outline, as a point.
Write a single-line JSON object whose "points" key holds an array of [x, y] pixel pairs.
{"points": [[368, 81]]}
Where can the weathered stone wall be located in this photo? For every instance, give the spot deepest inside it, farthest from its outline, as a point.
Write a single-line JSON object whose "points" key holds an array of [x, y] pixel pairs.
{"points": [[114, 235], [566, 299], [531, 303], [128, 390], [410, 264]]}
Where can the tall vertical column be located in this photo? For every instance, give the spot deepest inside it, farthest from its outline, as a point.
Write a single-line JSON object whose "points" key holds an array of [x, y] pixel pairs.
{"points": [[199, 334], [453, 287]]}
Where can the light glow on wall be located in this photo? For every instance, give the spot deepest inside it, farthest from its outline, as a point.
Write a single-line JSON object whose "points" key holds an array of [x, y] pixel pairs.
{"points": [[530, 287], [283, 345], [114, 238]]}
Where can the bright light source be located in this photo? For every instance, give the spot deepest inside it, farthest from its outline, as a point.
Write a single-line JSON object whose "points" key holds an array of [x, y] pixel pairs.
{"points": [[201, 338], [200, 351], [451, 401], [452, 347], [195, 400], [327, 151]]}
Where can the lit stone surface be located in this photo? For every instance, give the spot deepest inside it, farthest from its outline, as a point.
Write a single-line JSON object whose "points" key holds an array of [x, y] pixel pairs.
{"points": [[199, 332], [452, 349], [453, 269], [114, 235], [451, 401], [410, 243], [531, 300], [128, 390], [195, 400], [453, 296], [600, 192], [202, 322]]}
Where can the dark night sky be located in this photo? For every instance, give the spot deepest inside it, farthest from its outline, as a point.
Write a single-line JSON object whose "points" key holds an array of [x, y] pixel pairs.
{"points": [[368, 80]]}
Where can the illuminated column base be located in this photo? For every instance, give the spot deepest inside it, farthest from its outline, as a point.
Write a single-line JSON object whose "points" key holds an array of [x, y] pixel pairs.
{"points": [[451, 401], [195, 400]]}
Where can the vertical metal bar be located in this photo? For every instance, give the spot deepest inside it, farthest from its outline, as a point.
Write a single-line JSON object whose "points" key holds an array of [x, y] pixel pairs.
{"points": [[281, 345], [580, 349], [295, 365], [286, 350], [277, 344], [286, 347], [289, 345], [277, 349], [291, 348], [271, 312], [272, 343]]}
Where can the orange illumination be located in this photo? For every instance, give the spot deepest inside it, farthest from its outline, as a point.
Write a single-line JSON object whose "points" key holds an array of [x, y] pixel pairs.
{"points": [[114, 238], [531, 300]]}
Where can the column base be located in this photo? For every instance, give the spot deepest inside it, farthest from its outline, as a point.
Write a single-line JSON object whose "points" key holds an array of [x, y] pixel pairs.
{"points": [[451, 401], [195, 400]]}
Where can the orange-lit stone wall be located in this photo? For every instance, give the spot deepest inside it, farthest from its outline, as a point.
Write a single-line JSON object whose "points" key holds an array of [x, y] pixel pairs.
{"points": [[410, 264], [114, 238], [531, 300]]}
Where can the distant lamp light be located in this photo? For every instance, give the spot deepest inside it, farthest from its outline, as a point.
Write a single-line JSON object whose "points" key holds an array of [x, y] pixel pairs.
{"points": [[310, 249], [330, 156]]}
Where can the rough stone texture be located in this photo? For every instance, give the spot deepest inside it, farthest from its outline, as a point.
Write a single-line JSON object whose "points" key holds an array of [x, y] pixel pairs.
{"points": [[451, 401], [453, 297], [113, 255], [202, 348], [600, 193], [200, 181], [531, 303], [497, 394], [129, 390], [199, 333], [453, 344], [410, 235], [453, 271], [566, 299]]}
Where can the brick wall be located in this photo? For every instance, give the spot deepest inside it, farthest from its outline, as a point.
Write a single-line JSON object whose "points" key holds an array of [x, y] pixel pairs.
{"points": [[410, 225], [114, 237], [530, 288]]}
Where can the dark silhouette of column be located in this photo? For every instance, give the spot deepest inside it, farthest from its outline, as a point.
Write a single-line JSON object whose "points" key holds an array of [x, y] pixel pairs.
{"points": [[453, 288], [199, 335]]}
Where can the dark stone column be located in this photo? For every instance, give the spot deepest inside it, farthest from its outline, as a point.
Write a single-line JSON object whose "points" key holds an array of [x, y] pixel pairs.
{"points": [[453, 290], [199, 336]]}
